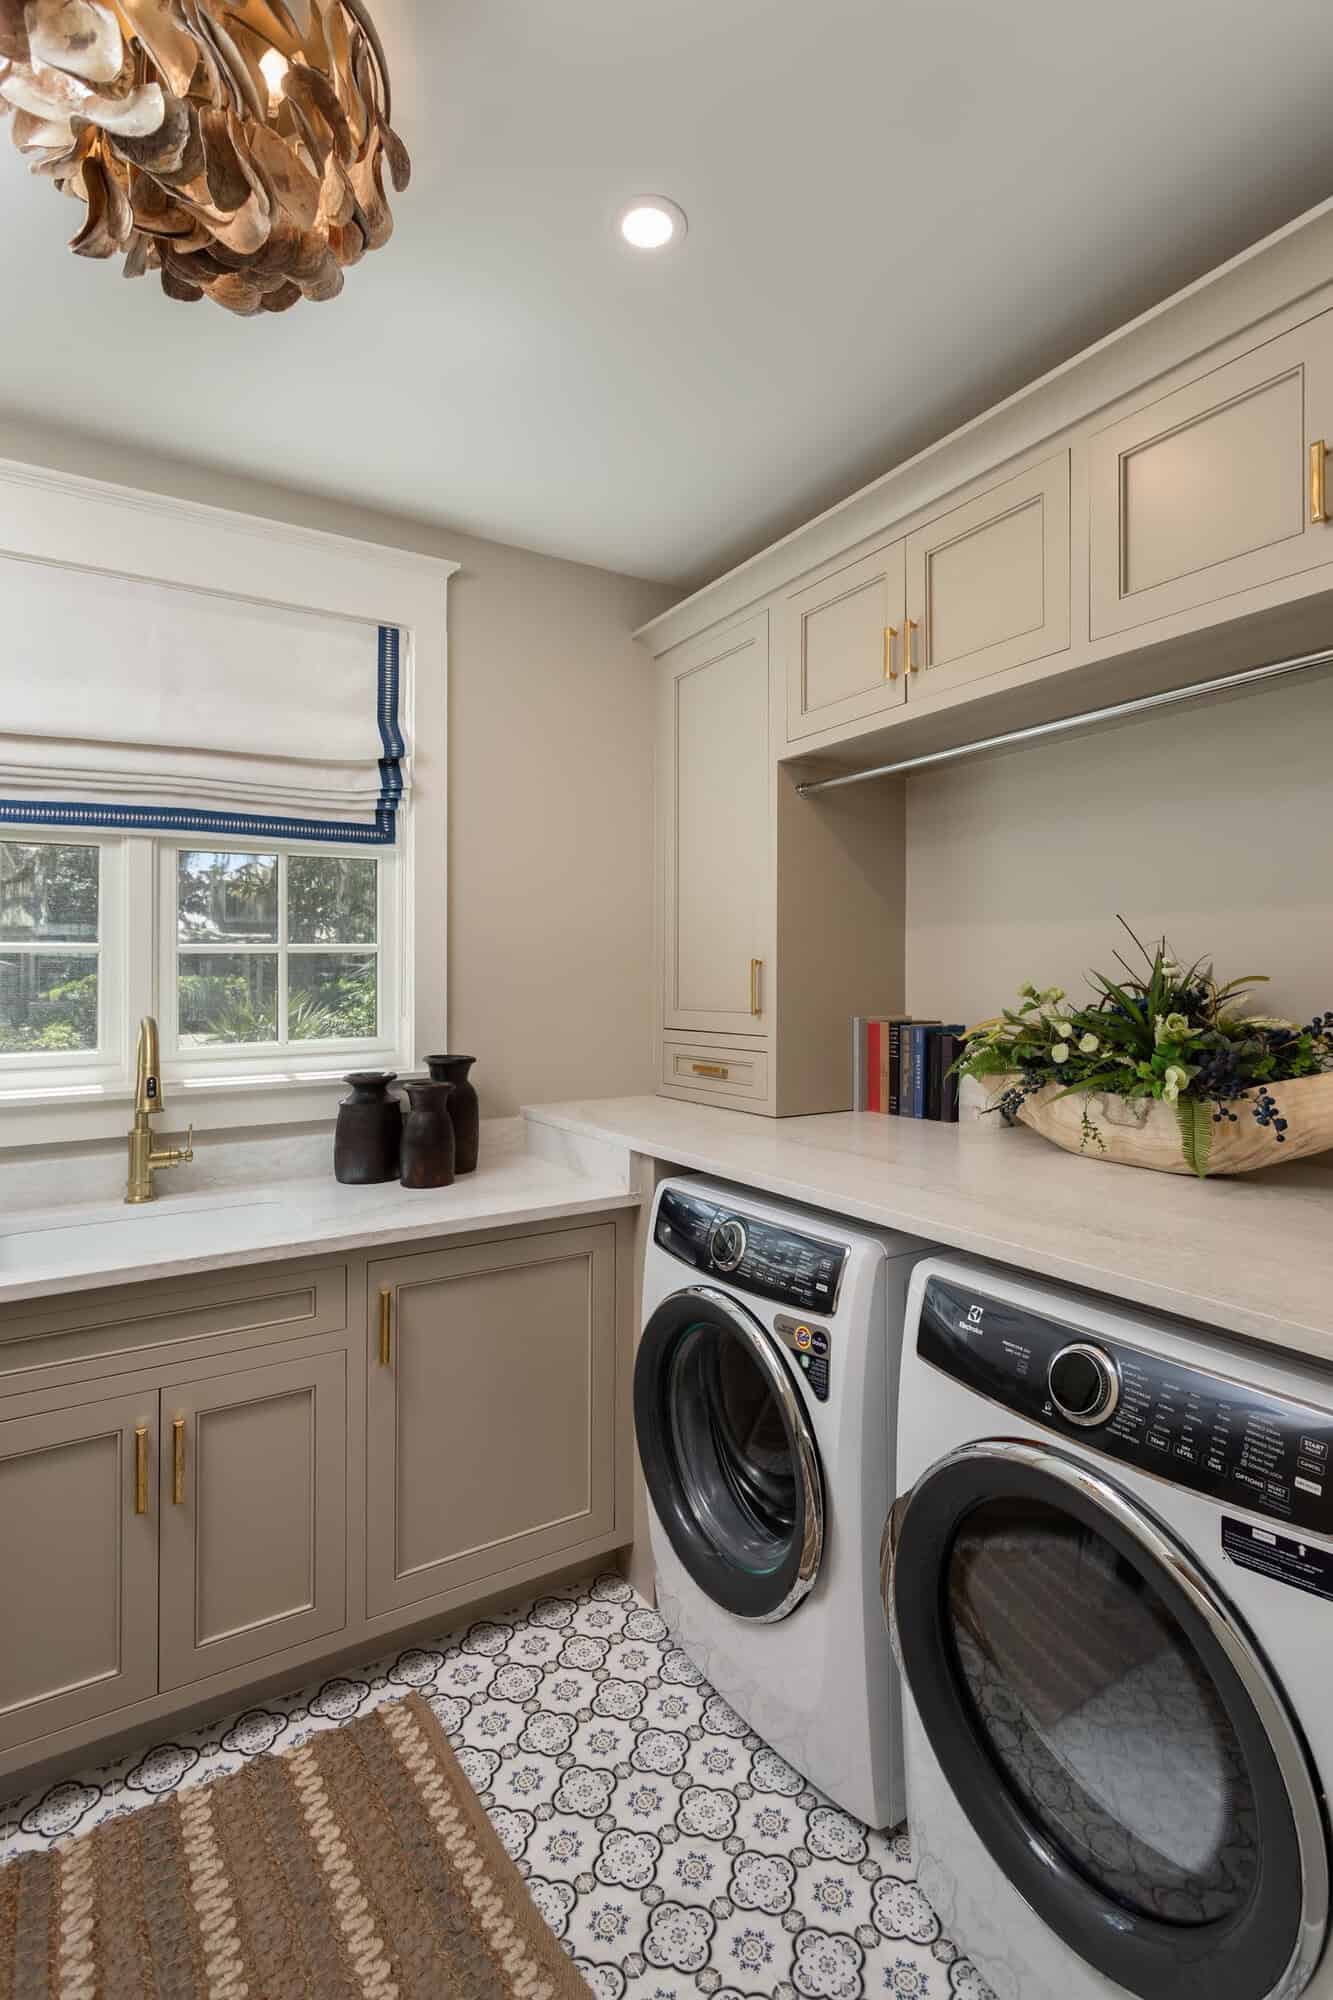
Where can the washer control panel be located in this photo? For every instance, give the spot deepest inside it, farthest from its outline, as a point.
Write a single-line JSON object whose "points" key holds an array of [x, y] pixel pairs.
{"points": [[752, 1255], [1198, 1429]]}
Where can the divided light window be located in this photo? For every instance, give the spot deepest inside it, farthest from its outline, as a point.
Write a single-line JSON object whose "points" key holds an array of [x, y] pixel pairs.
{"points": [[274, 950], [50, 950]]}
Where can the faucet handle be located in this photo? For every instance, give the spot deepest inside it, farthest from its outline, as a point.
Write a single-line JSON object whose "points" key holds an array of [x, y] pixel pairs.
{"points": [[187, 1150]]}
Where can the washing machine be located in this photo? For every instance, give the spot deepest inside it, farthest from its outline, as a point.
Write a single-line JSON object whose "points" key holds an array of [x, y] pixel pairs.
{"points": [[1110, 1578], [763, 1389]]}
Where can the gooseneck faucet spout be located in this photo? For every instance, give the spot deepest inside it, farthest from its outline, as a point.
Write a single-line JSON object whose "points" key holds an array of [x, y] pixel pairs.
{"points": [[145, 1160]]}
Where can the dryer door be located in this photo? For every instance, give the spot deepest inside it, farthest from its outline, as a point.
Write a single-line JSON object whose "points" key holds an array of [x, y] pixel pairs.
{"points": [[728, 1454], [1109, 1726]]}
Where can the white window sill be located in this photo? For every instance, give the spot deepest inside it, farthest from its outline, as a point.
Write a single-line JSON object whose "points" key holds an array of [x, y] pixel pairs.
{"points": [[84, 1114]]}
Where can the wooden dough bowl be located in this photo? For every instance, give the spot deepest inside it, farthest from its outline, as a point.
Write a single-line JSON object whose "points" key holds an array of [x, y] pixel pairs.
{"points": [[1144, 1132]]}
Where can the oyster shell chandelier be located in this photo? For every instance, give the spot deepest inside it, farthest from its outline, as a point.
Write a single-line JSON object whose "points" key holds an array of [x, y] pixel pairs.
{"points": [[220, 142]]}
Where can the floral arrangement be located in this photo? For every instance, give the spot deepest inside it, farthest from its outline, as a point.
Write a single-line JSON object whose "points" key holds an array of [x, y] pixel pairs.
{"points": [[1170, 1032]]}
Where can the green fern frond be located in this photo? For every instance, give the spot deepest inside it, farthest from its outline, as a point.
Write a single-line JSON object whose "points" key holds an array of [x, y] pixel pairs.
{"points": [[1196, 1134]]}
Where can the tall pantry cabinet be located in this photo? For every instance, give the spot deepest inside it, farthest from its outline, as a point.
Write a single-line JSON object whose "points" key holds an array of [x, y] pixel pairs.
{"points": [[778, 917]]}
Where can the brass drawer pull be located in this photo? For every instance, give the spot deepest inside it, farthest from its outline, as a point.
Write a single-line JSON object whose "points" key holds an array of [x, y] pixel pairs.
{"points": [[909, 646], [710, 1069], [178, 1462], [141, 1468], [386, 1325], [890, 634], [756, 967], [1318, 457]]}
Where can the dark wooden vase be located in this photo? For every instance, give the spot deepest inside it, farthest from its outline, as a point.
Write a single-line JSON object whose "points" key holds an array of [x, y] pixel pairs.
{"points": [[428, 1137], [369, 1131], [464, 1108]]}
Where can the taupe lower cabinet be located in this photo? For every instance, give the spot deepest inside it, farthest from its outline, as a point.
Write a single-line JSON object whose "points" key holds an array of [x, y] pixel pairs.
{"points": [[181, 1531], [78, 1564], [490, 1410], [253, 1503]]}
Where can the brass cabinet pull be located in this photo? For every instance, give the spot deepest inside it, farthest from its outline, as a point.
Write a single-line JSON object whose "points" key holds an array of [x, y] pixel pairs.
{"points": [[909, 646], [386, 1325], [178, 1462], [756, 967], [141, 1468], [1318, 455], [890, 634], [710, 1069]]}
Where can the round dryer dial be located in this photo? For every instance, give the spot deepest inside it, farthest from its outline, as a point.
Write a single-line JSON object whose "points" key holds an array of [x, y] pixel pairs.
{"points": [[727, 1243], [1084, 1383]]}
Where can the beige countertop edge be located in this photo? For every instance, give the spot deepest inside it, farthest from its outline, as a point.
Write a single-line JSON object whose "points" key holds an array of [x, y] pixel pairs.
{"points": [[1251, 1256], [424, 1217]]}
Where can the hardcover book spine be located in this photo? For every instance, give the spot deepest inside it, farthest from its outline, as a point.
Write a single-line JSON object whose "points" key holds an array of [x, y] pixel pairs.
{"points": [[934, 1072], [951, 1049], [874, 1034], [906, 1051], [858, 1062], [919, 1040], [897, 1029]]}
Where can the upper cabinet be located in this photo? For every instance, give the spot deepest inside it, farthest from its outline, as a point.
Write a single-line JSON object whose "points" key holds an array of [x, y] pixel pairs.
{"points": [[843, 639], [988, 582], [716, 831], [1204, 492]]}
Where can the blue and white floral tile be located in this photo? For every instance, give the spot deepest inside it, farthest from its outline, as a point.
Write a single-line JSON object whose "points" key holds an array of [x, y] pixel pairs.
{"points": [[673, 1852]]}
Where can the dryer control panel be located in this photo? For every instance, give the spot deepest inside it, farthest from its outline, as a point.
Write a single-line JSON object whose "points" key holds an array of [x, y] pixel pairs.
{"points": [[750, 1254], [1238, 1444]]}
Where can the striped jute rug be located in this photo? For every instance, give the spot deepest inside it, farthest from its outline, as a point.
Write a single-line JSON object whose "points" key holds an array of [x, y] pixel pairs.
{"points": [[360, 1862]]}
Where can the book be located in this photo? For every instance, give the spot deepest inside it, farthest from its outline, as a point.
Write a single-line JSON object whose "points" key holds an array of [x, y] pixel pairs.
{"points": [[943, 1049], [913, 1068]]}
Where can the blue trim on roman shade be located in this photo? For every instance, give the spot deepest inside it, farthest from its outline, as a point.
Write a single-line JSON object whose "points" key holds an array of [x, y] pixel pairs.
{"points": [[377, 832]]}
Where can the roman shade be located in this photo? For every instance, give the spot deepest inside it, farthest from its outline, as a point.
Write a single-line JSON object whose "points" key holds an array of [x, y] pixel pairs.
{"points": [[136, 704]]}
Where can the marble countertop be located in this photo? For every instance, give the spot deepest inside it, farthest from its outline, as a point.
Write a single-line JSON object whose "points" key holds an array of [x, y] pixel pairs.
{"points": [[1251, 1256], [45, 1251]]}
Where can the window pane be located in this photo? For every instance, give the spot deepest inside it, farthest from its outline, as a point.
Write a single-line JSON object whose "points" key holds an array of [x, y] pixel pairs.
{"points": [[48, 893], [226, 898], [330, 995], [48, 1002], [330, 900], [227, 997]]}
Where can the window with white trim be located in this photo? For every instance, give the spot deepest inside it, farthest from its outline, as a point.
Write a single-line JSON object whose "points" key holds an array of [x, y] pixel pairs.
{"points": [[258, 958]]}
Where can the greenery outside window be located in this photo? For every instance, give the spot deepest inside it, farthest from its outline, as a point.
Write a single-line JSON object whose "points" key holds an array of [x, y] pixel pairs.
{"points": [[57, 1006]]}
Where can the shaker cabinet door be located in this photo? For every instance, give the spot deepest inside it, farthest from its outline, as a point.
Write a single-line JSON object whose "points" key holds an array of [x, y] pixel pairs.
{"points": [[78, 1564], [1203, 493], [716, 832], [988, 582], [842, 639], [490, 1410], [253, 1505]]}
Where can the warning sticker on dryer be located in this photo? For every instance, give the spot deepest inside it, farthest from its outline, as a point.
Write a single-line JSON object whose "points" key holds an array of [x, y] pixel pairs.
{"points": [[1303, 1565]]}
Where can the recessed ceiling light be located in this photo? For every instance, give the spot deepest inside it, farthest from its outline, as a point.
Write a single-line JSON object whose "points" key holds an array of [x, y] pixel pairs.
{"points": [[651, 222]]}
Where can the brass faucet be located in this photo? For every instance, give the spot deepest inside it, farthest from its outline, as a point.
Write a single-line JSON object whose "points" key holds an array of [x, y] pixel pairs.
{"points": [[144, 1161]]}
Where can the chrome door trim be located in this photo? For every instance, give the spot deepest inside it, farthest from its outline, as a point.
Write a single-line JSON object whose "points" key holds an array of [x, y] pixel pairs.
{"points": [[1198, 1587], [774, 1370]]}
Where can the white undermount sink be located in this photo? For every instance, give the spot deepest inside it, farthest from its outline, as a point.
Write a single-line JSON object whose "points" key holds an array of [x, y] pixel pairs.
{"points": [[96, 1238]]}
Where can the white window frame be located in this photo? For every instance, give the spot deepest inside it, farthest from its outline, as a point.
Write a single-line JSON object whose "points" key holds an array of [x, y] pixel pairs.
{"points": [[389, 1049]]}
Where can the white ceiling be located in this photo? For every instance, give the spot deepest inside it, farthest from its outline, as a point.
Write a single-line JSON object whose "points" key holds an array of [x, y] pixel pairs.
{"points": [[899, 211]]}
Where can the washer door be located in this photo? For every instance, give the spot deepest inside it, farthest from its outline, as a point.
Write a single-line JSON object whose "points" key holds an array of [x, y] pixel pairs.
{"points": [[728, 1454], [1108, 1726]]}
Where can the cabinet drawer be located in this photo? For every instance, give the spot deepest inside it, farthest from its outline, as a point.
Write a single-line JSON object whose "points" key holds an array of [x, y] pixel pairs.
{"points": [[705, 1070], [123, 1329]]}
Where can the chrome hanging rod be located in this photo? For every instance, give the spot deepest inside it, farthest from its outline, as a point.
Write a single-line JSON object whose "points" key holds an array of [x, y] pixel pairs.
{"points": [[1246, 678]]}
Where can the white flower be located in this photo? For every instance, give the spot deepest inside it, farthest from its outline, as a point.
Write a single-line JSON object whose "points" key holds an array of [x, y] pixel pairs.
{"points": [[1088, 1045], [1060, 1053], [1174, 1082]]}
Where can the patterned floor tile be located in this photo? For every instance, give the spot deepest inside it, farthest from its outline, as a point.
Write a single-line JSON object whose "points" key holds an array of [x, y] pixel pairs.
{"points": [[670, 1849]]}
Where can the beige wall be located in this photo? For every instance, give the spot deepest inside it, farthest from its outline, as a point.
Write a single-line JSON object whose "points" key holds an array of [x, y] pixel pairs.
{"points": [[1211, 823], [550, 771]]}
